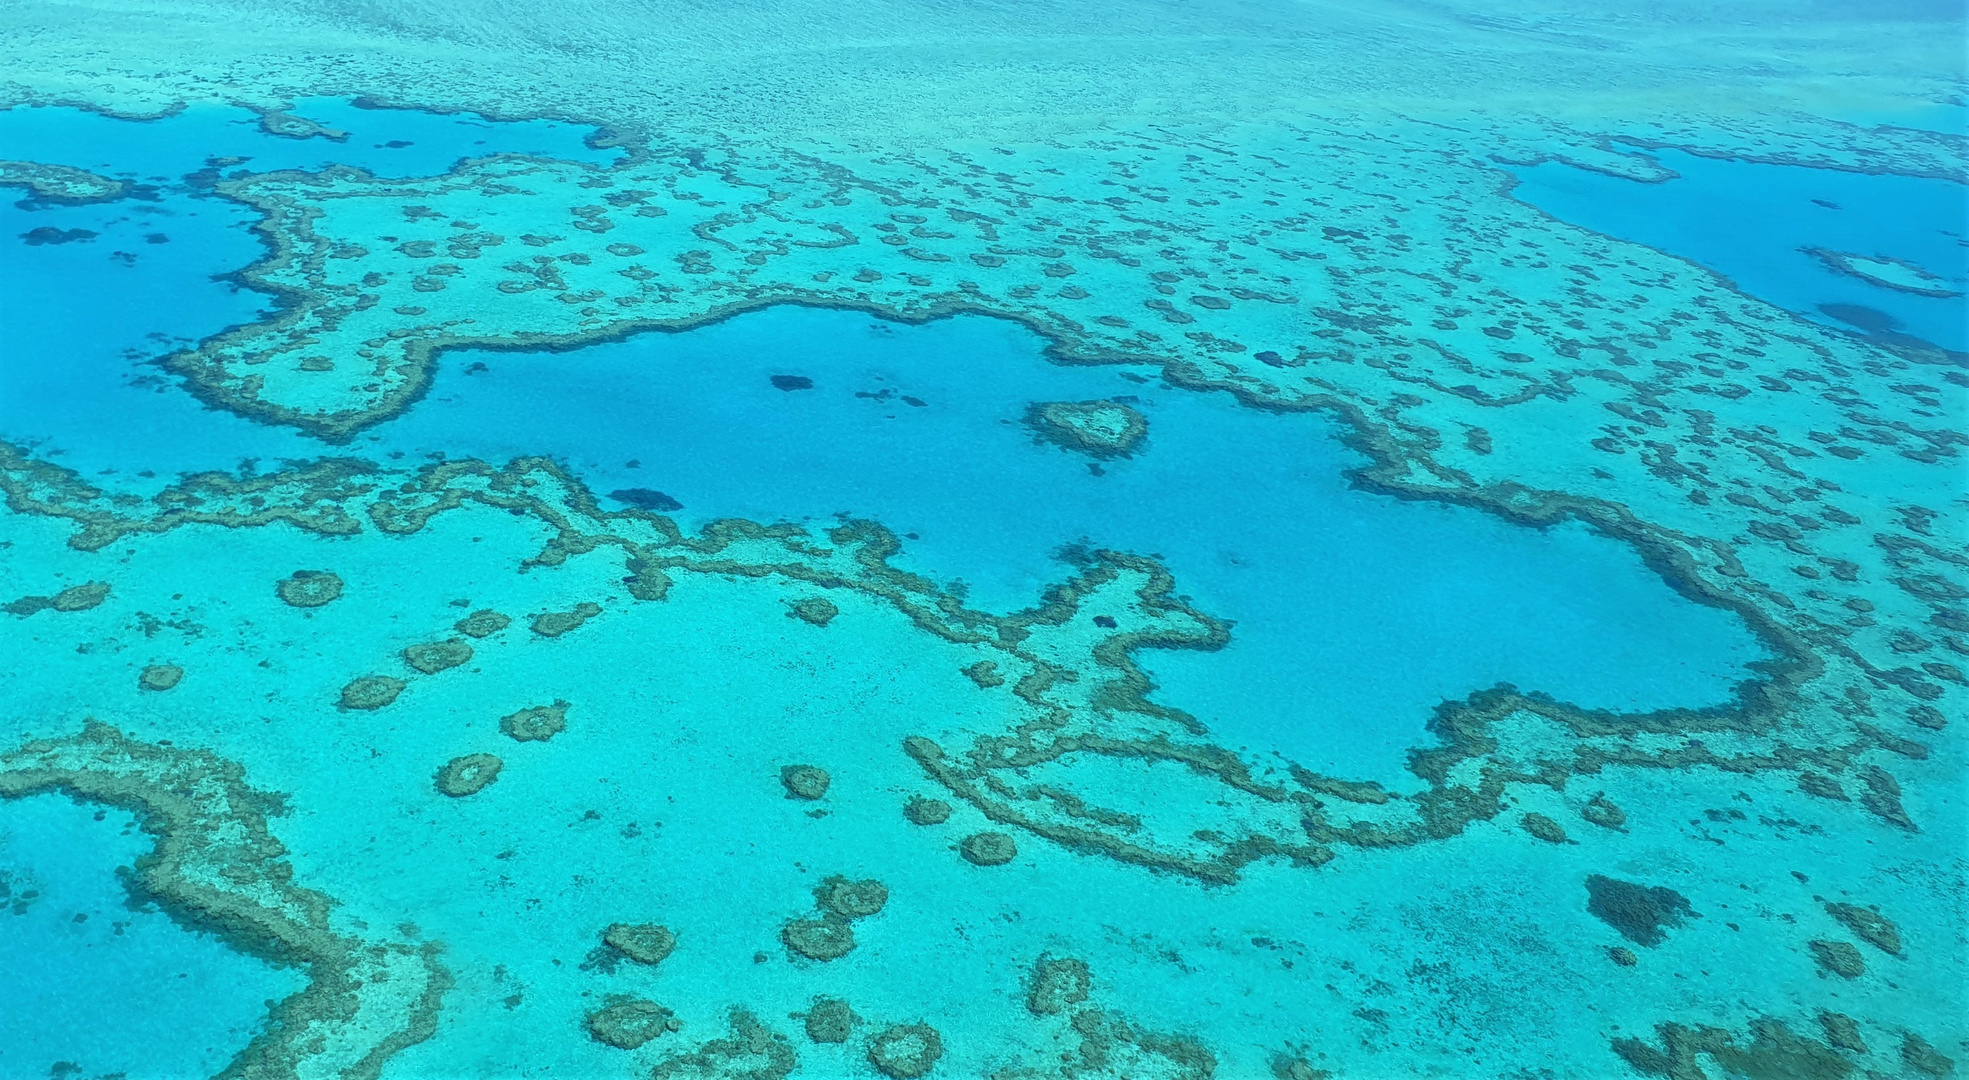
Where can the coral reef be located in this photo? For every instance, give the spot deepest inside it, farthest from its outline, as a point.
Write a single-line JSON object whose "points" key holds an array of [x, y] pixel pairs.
{"points": [[988, 849], [1774, 1051], [1639, 912], [816, 610], [309, 588], [74, 598], [555, 623], [627, 1023], [1839, 958], [435, 656], [1057, 985], [924, 811], [1869, 925], [483, 623], [160, 676], [1600, 811], [804, 781], [1102, 429], [851, 899], [537, 723], [751, 1051], [905, 1051], [829, 1020], [828, 937], [371, 691], [645, 943], [1544, 828], [468, 774]]}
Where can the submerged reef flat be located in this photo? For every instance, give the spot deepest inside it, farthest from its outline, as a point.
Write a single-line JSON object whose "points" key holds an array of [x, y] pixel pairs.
{"points": [[889, 827]]}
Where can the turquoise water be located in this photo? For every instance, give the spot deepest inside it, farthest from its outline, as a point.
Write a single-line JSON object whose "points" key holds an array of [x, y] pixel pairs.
{"points": [[1709, 822]]}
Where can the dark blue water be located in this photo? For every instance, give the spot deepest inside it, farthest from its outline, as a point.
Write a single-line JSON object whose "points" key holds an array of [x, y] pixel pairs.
{"points": [[1750, 223]]}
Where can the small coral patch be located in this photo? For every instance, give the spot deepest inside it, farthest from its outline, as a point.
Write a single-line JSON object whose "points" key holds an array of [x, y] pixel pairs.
{"points": [[468, 775], [371, 692]]}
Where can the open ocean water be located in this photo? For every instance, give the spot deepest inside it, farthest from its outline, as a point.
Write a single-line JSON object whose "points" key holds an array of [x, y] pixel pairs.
{"points": [[504, 575]]}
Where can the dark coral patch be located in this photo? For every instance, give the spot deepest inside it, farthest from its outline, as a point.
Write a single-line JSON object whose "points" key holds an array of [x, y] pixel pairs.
{"points": [[536, 724], [1057, 985], [1639, 912], [646, 499], [1869, 925], [160, 677], [556, 623], [815, 609]]}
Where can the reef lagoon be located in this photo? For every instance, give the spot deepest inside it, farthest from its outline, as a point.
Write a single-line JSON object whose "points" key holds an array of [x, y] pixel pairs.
{"points": [[1057, 543]]}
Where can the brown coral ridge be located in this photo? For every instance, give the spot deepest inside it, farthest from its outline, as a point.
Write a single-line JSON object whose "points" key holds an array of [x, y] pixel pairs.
{"points": [[339, 498], [1774, 1052], [216, 866]]}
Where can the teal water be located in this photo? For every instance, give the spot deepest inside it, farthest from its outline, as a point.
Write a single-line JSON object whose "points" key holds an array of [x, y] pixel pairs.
{"points": [[1752, 223]]}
